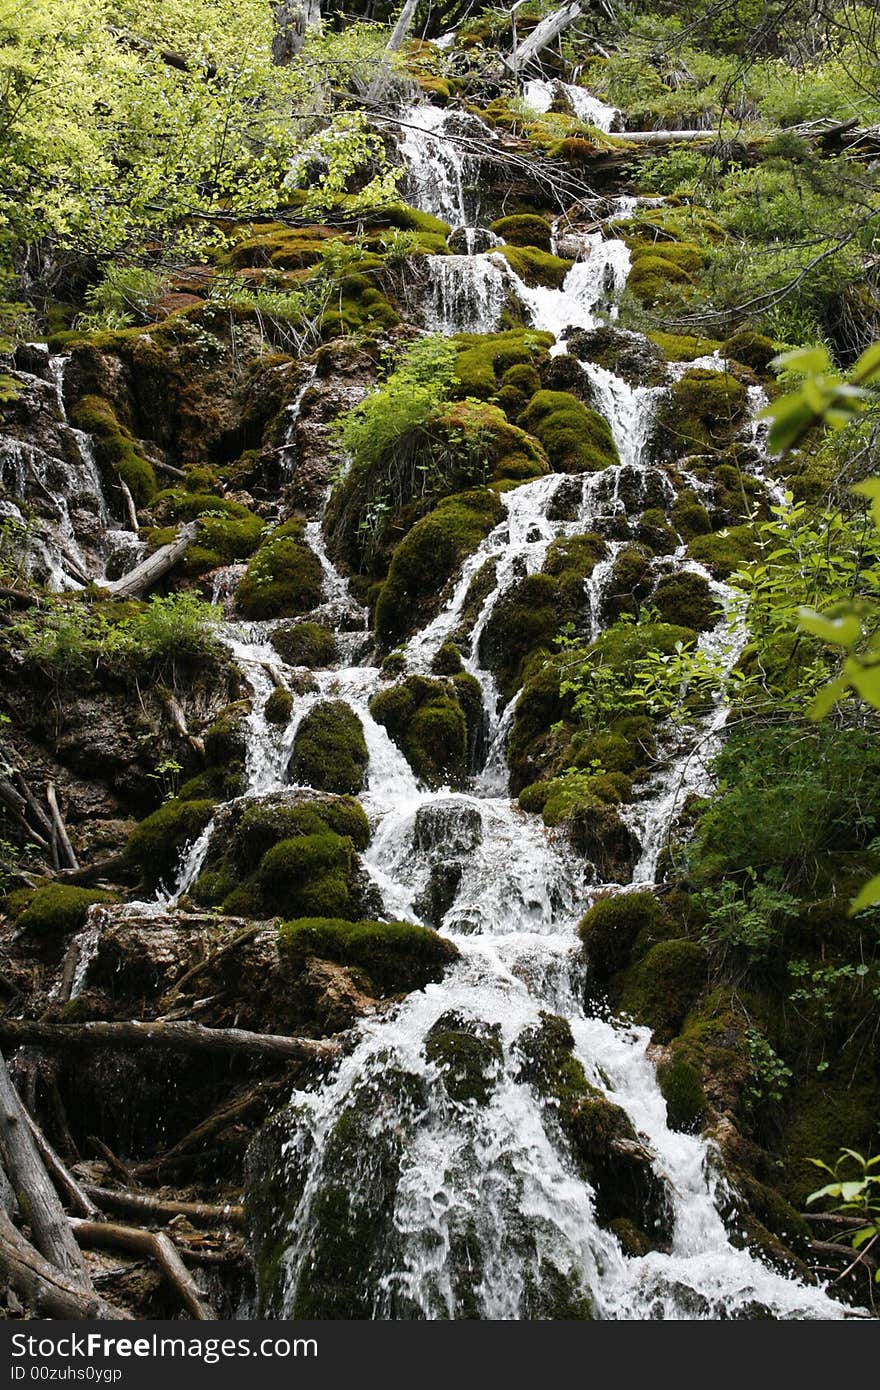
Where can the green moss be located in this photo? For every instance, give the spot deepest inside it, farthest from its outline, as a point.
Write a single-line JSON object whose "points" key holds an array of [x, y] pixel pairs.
{"points": [[307, 874], [523, 621], [54, 910], [629, 582], [623, 645], [329, 750], [426, 720], [467, 1057], [524, 229], [485, 358], [305, 644], [116, 448], [397, 956], [686, 599], [576, 439], [681, 348], [689, 517], [724, 551], [278, 707], [682, 1088], [447, 660], [753, 349], [428, 556], [611, 927], [283, 579], [536, 267], [156, 844], [654, 279], [661, 988], [702, 411]]}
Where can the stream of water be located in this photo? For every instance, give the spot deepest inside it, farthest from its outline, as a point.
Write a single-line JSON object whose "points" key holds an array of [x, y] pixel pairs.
{"points": [[494, 1178]]}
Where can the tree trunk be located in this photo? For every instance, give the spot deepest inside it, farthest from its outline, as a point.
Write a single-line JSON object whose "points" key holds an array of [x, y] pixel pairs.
{"points": [[183, 1037], [398, 34], [549, 29], [40, 1285], [151, 570], [293, 20], [37, 1198], [142, 1203]]}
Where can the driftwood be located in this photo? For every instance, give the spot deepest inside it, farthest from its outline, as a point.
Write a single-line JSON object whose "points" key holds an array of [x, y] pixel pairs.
{"points": [[178, 721], [65, 848], [142, 1203], [20, 597], [239, 939], [18, 805], [150, 571], [36, 1196], [157, 1247], [183, 1037], [542, 36], [62, 1176], [130, 508], [116, 1164], [41, 1286]]}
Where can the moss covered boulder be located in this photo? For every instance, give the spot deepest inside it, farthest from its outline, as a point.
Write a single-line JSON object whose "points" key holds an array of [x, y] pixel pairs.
{"points": [[54, 910], [685, 598], [428, 556], [428, 722], [701, 414], [467, 1054], [156, 845], [397, 956], [305, 644], [329, 750], [577, 439], [524, 229], [283, 578], [605, 1146]]}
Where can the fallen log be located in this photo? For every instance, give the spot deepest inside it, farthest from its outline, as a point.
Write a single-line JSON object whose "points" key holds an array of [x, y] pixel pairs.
{"points": [[156, 1246], [60, 829], [41, 1286], [142, 578], [199, 1213], [258, 1099], [542, 36], [183, 1037], [62, 1175], [36, 1196]]}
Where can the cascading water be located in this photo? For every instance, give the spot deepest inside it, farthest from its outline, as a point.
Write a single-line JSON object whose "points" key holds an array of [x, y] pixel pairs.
{"points": [[480, 1207], [485, 1209], [540, 94]]}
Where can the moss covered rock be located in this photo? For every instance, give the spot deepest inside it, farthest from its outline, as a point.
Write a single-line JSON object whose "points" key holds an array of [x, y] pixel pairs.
{"points": [[722, 552], [428, 556], [524, 229], [54, 910], [661, 988], [611, 928], [577, 439], [702, 412], [283, 578], [278, 707], [305, 644], [329, 750], [116, 448], [397, 956], [156, 845], [685, 598], [467, 1055], [682, 1088], [427, 721]]}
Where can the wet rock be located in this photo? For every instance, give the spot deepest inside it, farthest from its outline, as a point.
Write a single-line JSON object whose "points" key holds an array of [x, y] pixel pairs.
{"points": [[629, 355], [467, 1054], [453, 827]]}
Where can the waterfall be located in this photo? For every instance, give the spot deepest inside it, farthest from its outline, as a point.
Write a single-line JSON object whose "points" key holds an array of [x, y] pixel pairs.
{"points": [[539, 94], [484, 1209]]}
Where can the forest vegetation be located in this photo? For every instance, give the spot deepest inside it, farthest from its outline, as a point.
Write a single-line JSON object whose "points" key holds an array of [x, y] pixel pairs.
{"points": [[246, 475]]}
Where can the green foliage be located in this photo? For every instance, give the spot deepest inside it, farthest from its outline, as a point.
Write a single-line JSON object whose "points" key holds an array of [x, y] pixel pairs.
{"points": [[161, 640], [854, 1196], [769, 1077], [745, 919], [123, 296]]}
